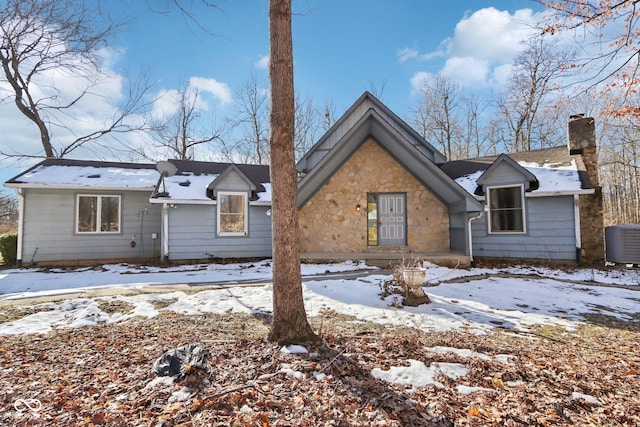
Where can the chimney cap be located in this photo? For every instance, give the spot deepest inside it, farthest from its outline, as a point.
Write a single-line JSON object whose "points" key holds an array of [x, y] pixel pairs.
{"points": [[577, 116]]}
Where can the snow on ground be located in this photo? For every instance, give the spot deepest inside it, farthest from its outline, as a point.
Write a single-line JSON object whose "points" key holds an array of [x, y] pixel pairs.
{"points": [[488, 298], [516, 297]]}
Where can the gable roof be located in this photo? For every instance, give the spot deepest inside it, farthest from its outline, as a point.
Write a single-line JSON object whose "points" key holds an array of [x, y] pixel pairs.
{"points": [[505, 159], [355, 113], [556, 171], [86, 174], [406, 148], [192, 182]]}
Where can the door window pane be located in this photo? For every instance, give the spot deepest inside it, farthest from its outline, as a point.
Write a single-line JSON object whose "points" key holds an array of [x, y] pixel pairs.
{"points": [[372, 220]]}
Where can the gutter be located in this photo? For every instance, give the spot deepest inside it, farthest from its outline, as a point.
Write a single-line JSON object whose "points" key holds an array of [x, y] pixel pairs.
{"points": [[576, 222], [164, 201], [20, 224], [164, 255], [76, 187], [471, 219]]}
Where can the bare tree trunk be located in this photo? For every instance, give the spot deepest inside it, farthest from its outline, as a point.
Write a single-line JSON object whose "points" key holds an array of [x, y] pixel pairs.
{"points": [[290, 323]]}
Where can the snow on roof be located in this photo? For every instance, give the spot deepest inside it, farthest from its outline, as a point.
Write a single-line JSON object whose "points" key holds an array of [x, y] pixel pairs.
{"points": [[265, 196], [552, 178], [189, 186], [90, 176]]}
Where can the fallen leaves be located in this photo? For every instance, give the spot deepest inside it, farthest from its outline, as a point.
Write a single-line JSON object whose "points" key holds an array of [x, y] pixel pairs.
{"points": [[101, 376]]}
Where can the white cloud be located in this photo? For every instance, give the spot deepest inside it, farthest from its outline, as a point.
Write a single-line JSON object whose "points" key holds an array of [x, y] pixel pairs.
{"points": [[166, 104], [218, 90], [466, 70], [407, 53], [262, 63], [419, 79], [492, 35], [483, 43], [94, 110]]}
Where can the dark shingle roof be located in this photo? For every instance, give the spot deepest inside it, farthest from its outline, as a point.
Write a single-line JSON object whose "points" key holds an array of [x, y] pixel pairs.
{"points": [[555, 156], [258, 174]]}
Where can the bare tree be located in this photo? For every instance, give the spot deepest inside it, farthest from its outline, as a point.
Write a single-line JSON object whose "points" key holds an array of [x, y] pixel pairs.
{"points": [[251, 123], [181, 134], [530, 86], [435, 117], [289, 317], [619, 157], [328, 116], [40, 41], [307, 125], [8, 212], [474, 137], [609, 36]]}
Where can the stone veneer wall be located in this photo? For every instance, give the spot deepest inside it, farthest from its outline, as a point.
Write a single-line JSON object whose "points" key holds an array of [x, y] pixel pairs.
{"points": [[591, 214], [329, 221], [582, 140]]}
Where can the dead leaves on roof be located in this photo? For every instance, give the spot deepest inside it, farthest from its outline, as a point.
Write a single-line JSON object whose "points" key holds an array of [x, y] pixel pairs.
{"points": [[101, 376]]}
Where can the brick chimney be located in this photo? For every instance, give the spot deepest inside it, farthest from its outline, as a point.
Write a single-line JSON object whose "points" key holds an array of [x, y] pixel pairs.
{"points": [[582, 141]]}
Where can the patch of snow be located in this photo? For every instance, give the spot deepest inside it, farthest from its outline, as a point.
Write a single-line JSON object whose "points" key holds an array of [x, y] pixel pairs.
{"points": [[464, 353], [417, 374], [589, 399], [505, 359], [319, 376], [294, 349], [90, 176], [551, 178], [292, 373], [515, 383], [160, 382], [180, 395], [466, 390]]}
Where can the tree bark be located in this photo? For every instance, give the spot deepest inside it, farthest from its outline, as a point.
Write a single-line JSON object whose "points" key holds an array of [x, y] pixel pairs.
{"points": [[290, 323]]}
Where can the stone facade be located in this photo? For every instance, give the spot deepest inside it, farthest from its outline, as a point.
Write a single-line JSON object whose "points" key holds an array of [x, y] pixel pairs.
{"points": [[582, 140], [330, 222]]}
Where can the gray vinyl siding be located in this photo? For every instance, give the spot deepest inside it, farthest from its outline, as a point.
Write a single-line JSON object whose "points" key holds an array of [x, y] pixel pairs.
{"points": [[504, 174], [458, 234], [550, 233], [50, 221], [192, 234]]}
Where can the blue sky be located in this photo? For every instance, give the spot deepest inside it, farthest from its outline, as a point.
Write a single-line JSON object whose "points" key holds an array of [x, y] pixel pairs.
{"points": [[341, 48]]}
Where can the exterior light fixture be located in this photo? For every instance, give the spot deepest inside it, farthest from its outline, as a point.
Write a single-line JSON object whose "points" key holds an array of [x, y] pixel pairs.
{"points": [[357, 208]]}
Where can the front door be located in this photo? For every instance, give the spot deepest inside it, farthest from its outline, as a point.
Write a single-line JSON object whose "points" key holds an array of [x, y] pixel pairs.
{"points": [[392, 219]]}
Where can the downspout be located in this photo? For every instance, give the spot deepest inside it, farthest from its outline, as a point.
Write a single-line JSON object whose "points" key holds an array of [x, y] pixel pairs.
{"points": [[576, 222], [164, 256], [473, 218], [20, 225]]}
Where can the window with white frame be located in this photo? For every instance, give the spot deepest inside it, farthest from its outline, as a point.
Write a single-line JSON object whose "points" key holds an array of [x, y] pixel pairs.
{"points": [[506, 209], [232, 214], [97, 213]]}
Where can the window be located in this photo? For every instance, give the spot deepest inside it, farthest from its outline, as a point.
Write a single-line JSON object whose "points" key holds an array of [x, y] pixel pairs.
{"points": [[372, 220], [98, 214], [506, 209], [232, 214]]}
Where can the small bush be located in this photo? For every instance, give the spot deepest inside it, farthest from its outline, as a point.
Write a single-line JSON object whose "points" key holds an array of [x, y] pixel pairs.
{"points": [[9, 247]]}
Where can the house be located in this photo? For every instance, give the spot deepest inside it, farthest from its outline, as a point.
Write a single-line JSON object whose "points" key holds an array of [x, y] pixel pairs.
{"points": [[86, 211], [75, 211], [215, 210], [372, 188]]}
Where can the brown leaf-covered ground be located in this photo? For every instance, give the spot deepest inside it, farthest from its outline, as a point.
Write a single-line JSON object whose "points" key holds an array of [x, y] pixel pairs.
{"points": [[100, 376]]}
